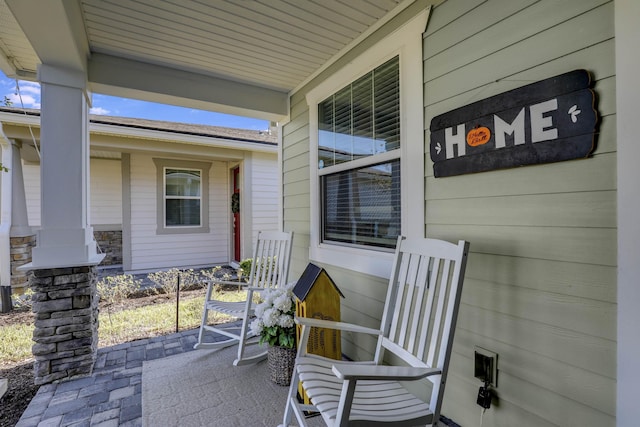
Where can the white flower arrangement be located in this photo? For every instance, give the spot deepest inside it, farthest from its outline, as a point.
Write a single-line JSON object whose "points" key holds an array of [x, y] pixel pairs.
{"points": [[274, 317]]}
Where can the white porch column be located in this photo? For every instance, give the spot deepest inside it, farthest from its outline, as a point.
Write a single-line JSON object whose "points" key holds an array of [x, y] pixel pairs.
{"points": [[19, 218], [5, 223], [627, 93], [65, 239]]}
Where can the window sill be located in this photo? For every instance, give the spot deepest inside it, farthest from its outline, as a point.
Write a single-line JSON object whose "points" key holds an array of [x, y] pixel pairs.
{"points": [[374, 263], [182, 230]]}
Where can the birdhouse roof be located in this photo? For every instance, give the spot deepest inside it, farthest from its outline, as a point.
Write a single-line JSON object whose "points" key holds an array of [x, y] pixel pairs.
{"points": [[307, 280]]}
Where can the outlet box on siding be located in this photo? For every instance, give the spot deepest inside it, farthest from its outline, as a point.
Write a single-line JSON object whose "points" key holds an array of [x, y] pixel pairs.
{"points": [[485, 366]]}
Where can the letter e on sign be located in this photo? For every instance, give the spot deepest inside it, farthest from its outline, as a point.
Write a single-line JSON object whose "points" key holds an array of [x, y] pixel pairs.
{"points": [[542, 125]]}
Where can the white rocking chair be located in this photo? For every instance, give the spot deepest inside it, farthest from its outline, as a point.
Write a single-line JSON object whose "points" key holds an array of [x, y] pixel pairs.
{"points": [[269, 269], [418, 325]]}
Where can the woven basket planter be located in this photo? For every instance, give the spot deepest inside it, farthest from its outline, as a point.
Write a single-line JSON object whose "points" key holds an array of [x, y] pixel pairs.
{"points": [[281, 361]]}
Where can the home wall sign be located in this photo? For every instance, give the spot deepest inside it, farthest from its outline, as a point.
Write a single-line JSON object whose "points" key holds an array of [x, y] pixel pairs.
{"points": [[548, 121]]}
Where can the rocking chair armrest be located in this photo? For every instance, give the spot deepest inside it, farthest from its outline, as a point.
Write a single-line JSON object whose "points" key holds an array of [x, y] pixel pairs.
{"points": [[225, 282], [382, 372], [257, 288], [329, 324]]}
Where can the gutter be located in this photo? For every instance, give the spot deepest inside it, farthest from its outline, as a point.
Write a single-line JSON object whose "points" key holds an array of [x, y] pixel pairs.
{"points": [[5, 222], [101, 126]]}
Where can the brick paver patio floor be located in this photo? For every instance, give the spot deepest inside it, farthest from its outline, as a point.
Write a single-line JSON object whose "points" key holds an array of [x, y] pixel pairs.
{"points": [[112, 395]]}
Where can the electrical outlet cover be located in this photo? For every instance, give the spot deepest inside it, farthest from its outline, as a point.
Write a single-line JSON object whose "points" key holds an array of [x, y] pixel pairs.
{"points": [[486, 361]]}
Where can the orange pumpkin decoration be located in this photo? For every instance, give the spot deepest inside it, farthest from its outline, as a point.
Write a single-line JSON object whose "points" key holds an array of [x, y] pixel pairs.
{"points": [[478, 136]]}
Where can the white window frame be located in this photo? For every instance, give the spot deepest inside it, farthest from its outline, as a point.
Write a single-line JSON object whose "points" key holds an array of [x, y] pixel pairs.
{"points": [[166, 197], [161, 167], [406, 43]]}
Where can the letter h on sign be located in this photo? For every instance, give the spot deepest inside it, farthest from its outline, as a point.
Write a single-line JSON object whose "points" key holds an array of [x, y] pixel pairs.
{"points": [[457, 140]]}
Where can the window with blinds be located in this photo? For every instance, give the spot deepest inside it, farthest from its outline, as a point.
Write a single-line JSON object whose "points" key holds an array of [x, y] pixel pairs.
{"points": [[359, 160]]}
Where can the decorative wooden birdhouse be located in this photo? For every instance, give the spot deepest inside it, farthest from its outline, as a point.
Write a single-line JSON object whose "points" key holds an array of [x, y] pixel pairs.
{"points": [[318, 297]]}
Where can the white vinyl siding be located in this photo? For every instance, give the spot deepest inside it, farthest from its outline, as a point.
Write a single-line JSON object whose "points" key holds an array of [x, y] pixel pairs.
{"points": [[106, 192], [264, 193], [541, 278], [154, 251], [31, 175]]}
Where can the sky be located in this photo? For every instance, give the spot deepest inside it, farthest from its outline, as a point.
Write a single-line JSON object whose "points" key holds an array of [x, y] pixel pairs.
{"points": [[29, 97]]}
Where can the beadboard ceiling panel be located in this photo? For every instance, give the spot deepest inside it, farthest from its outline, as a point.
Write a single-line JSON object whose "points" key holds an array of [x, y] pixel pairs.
{"points": [[271, 43], [15, 51], [268, 47]]}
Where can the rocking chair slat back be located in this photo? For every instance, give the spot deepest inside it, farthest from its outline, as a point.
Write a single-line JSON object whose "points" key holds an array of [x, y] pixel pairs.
{"points": [[270, 266], [419, 302]]}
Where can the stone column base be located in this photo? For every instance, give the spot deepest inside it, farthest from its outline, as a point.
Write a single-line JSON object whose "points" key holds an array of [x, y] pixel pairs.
{"points": [[20, 255], [65, 303]]}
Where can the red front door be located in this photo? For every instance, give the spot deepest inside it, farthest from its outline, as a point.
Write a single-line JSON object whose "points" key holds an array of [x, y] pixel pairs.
{"points": [[236, 214]]}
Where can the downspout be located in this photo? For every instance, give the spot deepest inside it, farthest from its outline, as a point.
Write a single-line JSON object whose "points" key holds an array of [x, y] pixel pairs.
{"points": [[280, 177], [5, 222]]}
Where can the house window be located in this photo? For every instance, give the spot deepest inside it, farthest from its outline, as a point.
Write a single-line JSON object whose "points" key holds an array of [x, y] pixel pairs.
{"points": [[359, 126], [182, 196], [366, 133]]}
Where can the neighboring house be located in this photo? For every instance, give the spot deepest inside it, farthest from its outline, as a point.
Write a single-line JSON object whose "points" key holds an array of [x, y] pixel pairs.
{"points": [[161, 192]]}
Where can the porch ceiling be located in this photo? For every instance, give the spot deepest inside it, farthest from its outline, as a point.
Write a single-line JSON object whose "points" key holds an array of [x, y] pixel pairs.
{"points": [[234, 56]]}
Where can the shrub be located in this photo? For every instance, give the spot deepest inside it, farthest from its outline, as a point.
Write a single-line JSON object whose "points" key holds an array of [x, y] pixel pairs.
{"points": [[211, 274], [167, 281], [245, 267], [113, 289], [24, 300], [267, 264]]}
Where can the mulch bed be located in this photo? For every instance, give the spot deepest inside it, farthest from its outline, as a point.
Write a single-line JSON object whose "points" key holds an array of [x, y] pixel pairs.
{"points": [[20, 392], [20, 375]]}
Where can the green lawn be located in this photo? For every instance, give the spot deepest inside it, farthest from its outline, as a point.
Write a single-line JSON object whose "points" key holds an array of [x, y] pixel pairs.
{"points": [[121, 326], [15, 342]]}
